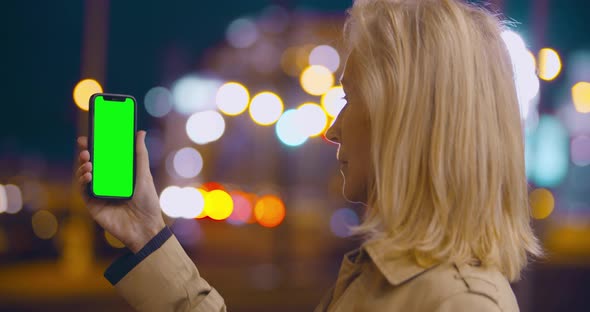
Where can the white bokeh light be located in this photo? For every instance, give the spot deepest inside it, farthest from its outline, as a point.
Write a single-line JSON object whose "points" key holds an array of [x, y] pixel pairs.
{"points": [[266, 108], [205, 127], [241, 33], [158, 101], [342, 221], [549, 64], [14, 198], [326, 56], [186, 202], [232, 98], [188, 162], [3, 199], [314, 117], [524, 67], [289, 128], [333, 101], [193, 94]]}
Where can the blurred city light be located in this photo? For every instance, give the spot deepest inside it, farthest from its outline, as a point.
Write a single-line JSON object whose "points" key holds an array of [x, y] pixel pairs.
{"points": [[326, 56], [523, 63], [241, 33], [576, 123], [542, 203], [242, 212], [186, 202], [113, 241], [580, 151], [290, 128], [205, 127], [210, 186], [314, 117], [44, 224], [188, 162], [269, 211], [549, 148], [266, 108], [342, 220], [333, 101], [158, 101], [14, 199], [84, 90], [581, 96], [232, 98], [549, 64], [316, 80], [219, 205], [203, 213], [3, 199], [192, 94]]}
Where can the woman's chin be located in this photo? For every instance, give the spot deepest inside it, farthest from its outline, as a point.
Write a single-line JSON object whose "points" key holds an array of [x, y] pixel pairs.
{"points": [[351, 196]]}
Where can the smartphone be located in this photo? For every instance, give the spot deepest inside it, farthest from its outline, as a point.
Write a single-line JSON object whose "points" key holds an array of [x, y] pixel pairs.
{"points": [[111, 143]]}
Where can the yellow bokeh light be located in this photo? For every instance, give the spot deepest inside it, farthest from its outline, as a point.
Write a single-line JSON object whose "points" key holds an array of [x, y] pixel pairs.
{"points": [[333, 101], [581, 96], [266, 108], [44, 224], [84, 90], [219, 205], [542, 203], [269, 211], [232, 98], [549, 65], [316, 80], [113, 241], [315, 118]]}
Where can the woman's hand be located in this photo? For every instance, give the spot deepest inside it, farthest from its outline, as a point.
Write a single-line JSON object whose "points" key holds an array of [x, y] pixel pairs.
{"points": [[135, 221]]}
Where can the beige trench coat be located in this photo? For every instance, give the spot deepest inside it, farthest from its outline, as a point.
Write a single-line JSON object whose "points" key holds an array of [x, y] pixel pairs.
{"points": [[372, 278]]}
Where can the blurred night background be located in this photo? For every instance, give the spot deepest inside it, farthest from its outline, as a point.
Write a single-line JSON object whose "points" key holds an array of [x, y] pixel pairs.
{"points": [[235, 97]]}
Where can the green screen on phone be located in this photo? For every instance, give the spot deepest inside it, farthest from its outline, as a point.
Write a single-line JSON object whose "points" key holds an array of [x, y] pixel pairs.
{"points": [[113, 147]]}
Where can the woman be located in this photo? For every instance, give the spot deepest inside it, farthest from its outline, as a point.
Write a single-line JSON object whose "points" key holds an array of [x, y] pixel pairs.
{"points": [[430, 141]]}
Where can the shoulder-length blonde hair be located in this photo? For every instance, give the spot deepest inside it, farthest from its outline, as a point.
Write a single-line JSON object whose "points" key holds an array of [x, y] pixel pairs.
{"points": [[447, 141]]}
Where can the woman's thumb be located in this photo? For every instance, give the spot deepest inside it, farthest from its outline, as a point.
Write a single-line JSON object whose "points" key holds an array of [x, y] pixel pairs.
{"points": [[143, 161]]}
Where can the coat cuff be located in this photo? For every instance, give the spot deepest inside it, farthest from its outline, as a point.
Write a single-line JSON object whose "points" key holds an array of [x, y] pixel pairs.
{"points": [[124, 264]]}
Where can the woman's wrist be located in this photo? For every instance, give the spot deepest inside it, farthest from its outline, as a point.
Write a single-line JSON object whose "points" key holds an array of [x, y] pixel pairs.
{"points": [[143, 236]]}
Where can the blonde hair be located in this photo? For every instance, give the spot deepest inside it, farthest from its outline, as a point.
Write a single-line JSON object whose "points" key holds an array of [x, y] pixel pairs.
{"points": [[447, 143]]}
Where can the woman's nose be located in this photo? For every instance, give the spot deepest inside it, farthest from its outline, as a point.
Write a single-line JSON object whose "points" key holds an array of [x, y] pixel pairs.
{"points": [[333, 133]]}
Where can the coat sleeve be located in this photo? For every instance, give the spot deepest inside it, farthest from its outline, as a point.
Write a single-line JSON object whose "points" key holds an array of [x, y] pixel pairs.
{"points": [[161, 277], [467, 301]]}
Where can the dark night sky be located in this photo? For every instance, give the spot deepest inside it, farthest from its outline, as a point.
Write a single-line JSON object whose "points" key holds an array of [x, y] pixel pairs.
{"points": [[41, 46]]}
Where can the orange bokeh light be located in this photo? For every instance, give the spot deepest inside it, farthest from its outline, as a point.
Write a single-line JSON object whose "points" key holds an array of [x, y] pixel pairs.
{"points": [[269, 211], [210, 186]]}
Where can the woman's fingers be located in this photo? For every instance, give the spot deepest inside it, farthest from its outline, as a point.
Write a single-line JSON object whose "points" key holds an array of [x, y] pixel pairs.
{"points": [[84, 172], [82, 142], [85, 178], [84, 157]]}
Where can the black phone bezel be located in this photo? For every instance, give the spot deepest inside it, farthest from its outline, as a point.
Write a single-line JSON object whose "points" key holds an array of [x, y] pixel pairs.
{"points": [[118, 98]]}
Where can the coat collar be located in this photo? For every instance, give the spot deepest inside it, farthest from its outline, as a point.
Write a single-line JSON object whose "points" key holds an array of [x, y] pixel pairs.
{"points": [[397, 267]]}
